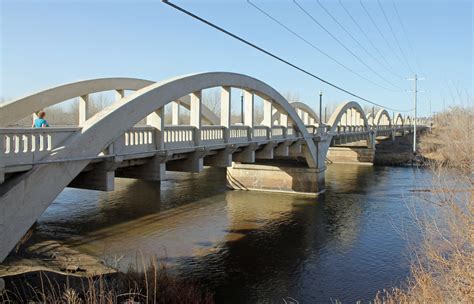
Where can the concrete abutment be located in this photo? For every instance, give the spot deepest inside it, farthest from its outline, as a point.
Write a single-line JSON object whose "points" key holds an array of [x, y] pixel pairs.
{"points": [[279, 177], [357, 155]]}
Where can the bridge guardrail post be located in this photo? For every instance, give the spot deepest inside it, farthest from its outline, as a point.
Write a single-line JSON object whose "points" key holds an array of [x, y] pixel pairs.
{"points": [[197, 136], [249, 133], [226, 134], [2, 152]]}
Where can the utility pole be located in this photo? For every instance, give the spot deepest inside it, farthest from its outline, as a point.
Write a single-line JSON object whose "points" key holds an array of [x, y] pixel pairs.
{"points": [[320, 108], [415, 94]]}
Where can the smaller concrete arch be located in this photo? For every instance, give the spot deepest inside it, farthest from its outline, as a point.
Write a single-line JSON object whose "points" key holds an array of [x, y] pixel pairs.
{"points": [[306, 109], [370, 119], [408, 121], [398, 120], [15, 110], [349, 113], [382, 118]]}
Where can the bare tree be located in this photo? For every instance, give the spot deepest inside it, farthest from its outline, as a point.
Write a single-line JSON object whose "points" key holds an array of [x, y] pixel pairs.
{"points": [[291, 96], [212, 99]]}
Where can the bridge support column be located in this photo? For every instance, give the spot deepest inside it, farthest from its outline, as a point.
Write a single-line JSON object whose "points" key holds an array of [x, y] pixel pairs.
{"points": [[247, 155], [194, 163], [222, 159], [175, 113], [283, 119], [249, 101], [83, 108], [267, 152], [153, 170], [295, 149], [101, 177], [282, 149], [225, 106]]}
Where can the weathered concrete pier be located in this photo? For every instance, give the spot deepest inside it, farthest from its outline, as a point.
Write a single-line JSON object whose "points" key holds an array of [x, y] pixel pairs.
{"points": [[37, 164]]}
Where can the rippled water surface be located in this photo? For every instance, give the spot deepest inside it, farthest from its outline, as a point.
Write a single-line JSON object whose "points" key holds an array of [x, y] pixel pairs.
{"points": [[252, 246]]}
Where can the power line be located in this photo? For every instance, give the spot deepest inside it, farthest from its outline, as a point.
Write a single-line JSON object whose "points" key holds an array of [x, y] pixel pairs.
{"points": [[378, 29], [314, 46], [395, 36], [273, 55], [352, 36], [340, 43], [407, 37], [369, 40]]}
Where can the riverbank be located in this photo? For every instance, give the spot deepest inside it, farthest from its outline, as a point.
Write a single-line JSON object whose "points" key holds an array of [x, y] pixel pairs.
{"points": [[50, 272], [398, 152], [442, 267]]}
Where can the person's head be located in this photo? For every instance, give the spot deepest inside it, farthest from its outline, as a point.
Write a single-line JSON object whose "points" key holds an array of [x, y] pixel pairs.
{"points": [[41, 114]]}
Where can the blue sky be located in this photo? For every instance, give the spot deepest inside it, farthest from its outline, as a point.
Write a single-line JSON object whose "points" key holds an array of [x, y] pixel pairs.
{"points": [[47, 43]]}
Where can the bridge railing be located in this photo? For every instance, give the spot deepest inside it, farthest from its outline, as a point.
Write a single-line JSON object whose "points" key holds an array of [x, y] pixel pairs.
{"points": [[239, 133], [291, 132], [278, 132], [26, 145], [176, 137], [261, 133], [213, 135], [136, 140]]}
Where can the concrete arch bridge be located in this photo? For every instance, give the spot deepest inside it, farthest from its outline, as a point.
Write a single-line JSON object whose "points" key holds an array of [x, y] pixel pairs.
{"points": [[37, 164]]}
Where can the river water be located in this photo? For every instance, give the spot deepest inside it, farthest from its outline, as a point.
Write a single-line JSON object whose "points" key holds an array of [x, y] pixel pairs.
{"points": [[250, 247]]}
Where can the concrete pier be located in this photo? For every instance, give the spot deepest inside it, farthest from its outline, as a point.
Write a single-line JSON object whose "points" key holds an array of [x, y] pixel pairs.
{"points": [[278, 177], [359, 155]]}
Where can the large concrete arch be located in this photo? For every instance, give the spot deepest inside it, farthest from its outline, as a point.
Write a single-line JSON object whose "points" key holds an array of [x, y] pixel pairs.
{"points": [[24, 197], [380, 115], [15, 110], [341, 110]]}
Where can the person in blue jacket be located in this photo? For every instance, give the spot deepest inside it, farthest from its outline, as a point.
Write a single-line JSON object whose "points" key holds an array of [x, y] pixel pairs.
{"points": [[40, 122]]}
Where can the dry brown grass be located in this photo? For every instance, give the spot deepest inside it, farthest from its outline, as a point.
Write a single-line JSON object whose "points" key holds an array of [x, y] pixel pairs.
{"points": [[451, 143], [443, 265], [154, 285]]}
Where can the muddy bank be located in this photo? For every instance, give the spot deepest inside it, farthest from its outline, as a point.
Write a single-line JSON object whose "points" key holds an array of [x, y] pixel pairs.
{"points": [[47, 271], [52, 256], [399, 152], [394, 152]]}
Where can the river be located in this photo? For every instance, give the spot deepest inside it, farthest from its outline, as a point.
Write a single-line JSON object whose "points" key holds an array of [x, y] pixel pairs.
{"points": [[250, 247]]}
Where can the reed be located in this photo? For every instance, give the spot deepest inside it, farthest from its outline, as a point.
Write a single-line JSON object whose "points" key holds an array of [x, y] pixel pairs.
{"points": [[151, 283]]}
